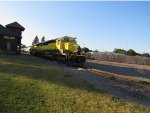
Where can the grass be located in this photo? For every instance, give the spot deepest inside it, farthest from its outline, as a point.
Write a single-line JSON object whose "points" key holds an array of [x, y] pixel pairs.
{"points": [[29, 84]]}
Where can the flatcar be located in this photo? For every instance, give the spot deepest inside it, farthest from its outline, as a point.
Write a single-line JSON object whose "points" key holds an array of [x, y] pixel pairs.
{"points": [[62, 49]]}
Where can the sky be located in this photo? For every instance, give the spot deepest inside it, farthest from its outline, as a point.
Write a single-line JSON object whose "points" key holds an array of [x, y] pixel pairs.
{"points": [[96, 25]]}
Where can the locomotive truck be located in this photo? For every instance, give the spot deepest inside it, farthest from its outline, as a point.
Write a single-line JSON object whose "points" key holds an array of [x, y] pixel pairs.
{"points": [[62, 49]]}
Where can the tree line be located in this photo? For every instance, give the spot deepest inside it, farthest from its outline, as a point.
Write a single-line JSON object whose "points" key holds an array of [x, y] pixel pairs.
{"points": [[86, 50], [36, 40], [130, 52]]}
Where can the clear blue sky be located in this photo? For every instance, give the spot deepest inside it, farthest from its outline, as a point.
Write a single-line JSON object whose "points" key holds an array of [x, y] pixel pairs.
{"points": [[97, 25]]}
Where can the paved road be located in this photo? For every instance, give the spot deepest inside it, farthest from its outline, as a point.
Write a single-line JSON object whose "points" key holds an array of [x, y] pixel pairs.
{"points": [[120, 69]]}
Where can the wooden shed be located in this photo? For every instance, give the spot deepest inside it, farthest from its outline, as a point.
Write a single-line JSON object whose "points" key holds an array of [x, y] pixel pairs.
{"points": [[10, 38]]}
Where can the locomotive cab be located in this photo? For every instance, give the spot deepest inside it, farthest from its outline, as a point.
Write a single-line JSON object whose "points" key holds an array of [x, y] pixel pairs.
{"points": [[68, 44]]}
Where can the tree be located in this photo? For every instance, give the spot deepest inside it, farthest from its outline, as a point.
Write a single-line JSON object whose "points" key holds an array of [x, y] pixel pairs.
{"points": [[35, 41], [146, 54], [96, 50], [131, 52], [43, 39], [85, 49], [90, 51], [138, 54], [120, 51]]}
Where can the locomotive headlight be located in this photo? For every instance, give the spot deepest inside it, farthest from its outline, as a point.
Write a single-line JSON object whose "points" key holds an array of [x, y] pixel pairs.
{"points": [[76, 51]]}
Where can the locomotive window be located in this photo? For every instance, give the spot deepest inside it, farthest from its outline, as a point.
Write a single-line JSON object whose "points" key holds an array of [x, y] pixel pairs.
{"points": [[66, 39], [73, 41]]}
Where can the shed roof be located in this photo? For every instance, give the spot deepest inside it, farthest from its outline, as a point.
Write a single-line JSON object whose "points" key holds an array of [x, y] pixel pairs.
{"points": [[15, 25]]}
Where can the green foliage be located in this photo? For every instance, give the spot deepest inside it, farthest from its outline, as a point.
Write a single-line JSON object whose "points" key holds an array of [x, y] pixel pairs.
{"points": [[85, 49], [43, 39], [35, 41], [90, 51], [131, 52], [145, 54], [138, 54], [119, 51], [96, 50]]}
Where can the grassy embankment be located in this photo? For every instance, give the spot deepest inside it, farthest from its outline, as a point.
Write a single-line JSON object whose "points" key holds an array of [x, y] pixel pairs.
{"points": [[29, 85]]}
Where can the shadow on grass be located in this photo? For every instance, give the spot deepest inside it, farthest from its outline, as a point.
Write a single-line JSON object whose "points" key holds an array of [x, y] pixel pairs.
{"points": [[27, 88], [43, 72], [48, 73], [17, 95]]}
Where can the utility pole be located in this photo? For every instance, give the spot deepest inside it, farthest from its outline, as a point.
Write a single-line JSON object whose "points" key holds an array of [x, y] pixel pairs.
{"points": [[126, 52], [126, 47]]}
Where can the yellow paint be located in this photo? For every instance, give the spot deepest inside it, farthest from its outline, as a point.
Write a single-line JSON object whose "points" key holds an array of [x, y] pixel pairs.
{"points": [[63, 43]]}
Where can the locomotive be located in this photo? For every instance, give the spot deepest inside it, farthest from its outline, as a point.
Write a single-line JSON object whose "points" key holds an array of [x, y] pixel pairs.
{"points": [[61, 49]]}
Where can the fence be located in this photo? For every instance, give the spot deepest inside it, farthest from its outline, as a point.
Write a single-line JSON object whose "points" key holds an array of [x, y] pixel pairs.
{"points": [[136, 70], [120, 58]]}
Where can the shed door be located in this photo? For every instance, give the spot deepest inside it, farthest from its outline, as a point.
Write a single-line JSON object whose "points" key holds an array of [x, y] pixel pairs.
{"points": [[8, 46]]}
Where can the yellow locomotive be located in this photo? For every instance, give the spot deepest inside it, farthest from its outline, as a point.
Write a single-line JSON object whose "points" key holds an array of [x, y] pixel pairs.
{"points": [[64, 49]]}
